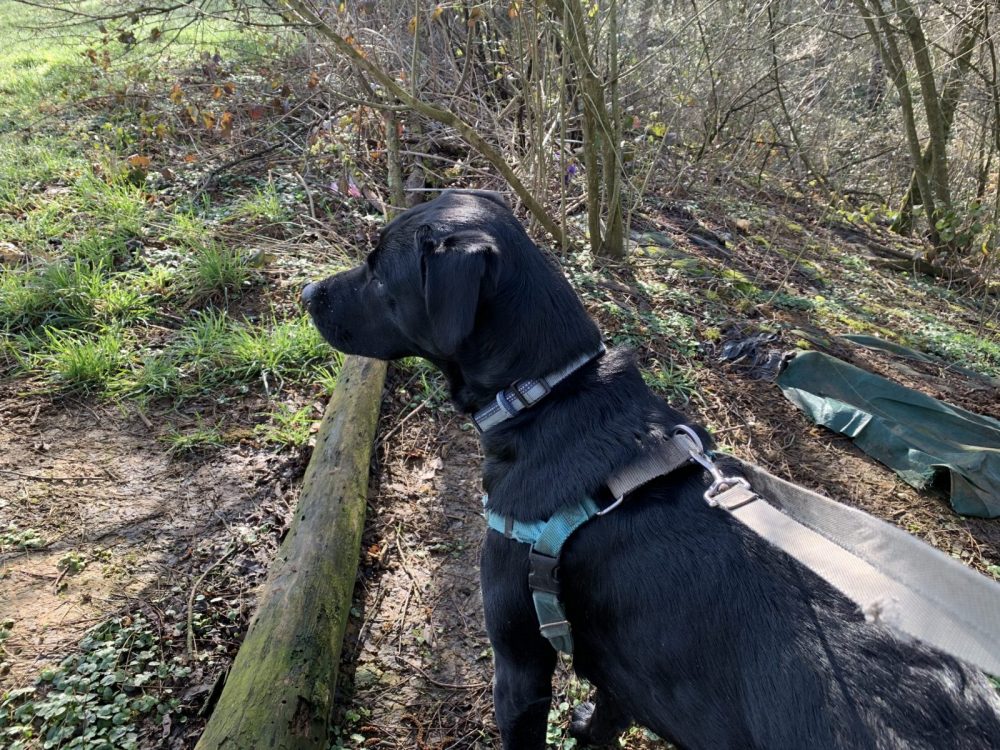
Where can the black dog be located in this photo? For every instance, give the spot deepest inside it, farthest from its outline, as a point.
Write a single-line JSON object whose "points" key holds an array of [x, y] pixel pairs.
{"points": [[685, 621]]}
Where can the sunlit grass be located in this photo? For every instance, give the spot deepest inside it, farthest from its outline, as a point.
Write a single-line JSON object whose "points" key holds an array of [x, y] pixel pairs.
{"points": [[81, 363], [213, 354], [216, 271]]}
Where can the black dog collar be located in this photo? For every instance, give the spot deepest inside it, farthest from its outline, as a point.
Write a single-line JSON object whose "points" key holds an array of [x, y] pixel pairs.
{"points": [[524, 393]]}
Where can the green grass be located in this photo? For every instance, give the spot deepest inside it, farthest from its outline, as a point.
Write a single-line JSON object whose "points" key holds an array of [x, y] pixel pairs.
{"points": [[215, 272], [214, 355], [976, 352], [287, 427], [288, 349], [105, 263], [674, 382], [201, 439], [82, 363], [69, 294], [263, 205]]}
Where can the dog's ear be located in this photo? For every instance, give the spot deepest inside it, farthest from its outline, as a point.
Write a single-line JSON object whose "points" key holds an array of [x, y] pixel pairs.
{"points": [[452, 268]]}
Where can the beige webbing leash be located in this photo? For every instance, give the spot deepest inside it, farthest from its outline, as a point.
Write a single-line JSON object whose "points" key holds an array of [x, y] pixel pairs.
{"points": [[894, 578]]}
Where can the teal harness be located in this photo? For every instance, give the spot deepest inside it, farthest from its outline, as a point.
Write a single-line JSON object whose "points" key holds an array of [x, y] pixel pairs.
{"points": [[546, 539]]}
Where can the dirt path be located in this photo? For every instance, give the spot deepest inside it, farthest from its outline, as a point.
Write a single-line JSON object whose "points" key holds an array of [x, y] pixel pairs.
{"points": [[417, 655], [120, 528]]}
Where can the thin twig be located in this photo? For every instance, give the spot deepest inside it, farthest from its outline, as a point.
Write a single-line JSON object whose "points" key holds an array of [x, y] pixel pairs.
{"points": [[38, 478], [438, 683], [309, 195], [422, 405], [194, 589]]}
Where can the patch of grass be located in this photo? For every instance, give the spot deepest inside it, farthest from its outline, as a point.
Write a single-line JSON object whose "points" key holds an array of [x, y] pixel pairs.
{"points": [[288, 427], [980, 353], [214, 354], [288, 349], [201, 439], [671, 381], [97, 696], [433, 387], [69, 294], [189, 229], [45, 220], [113, 204], [215, 272], [788, 301], [80, 362], [191, 365], [640, 329], [263, 205], [27, 166]]}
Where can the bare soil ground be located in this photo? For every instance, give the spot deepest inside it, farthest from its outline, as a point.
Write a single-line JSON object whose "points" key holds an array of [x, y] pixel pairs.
{"points": [[127, 529]]}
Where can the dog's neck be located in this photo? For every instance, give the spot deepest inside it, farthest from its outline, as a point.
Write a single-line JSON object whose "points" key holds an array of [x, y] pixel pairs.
{"points": [[524, 393], [529, 325], [484, 370], [565, 447]]}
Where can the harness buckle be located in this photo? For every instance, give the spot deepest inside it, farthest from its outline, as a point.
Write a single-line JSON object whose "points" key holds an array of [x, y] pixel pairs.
{"points": [[543, 572], [723, 484]]}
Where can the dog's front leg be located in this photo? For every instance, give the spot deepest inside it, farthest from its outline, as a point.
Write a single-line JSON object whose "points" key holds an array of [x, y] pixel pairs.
{"points": [[524, 660]]}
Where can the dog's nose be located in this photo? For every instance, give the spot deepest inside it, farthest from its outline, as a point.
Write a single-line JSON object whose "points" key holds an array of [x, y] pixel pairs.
{"points": [[309, 293]]}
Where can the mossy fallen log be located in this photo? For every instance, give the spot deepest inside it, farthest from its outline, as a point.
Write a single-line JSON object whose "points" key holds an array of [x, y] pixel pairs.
{"points": [[280, 690]]}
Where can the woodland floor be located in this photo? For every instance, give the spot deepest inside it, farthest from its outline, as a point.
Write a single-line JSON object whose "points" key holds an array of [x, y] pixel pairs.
{"points": [[157, 517], [146, 526]]}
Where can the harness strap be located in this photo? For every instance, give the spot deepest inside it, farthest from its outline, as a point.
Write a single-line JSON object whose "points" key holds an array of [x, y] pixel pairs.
{"points": [[895, 579], [547, 539], [668, 456]]}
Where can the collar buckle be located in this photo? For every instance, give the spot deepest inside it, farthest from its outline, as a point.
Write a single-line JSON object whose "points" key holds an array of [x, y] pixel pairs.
{"points": [[524, 393]]}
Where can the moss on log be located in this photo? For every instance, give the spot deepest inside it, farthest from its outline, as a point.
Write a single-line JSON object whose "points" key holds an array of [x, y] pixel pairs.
{"points": [[280, 690]]}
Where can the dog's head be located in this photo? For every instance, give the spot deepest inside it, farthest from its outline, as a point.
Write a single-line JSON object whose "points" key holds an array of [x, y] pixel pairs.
{"points": [[458, 282]]}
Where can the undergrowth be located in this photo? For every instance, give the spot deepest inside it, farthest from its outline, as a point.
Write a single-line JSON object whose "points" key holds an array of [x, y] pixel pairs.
{"points": [[96, 697]]}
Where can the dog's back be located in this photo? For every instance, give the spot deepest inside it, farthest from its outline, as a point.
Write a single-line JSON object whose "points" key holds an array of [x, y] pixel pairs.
{"points": [[715, 639]]}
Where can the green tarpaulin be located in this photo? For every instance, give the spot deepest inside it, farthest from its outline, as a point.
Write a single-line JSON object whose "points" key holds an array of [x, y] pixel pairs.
{"points": [[924, 440]]}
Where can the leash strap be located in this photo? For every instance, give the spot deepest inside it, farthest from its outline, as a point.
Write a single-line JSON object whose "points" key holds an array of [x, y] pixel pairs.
{"points": [[524, 393], [896, 579]]}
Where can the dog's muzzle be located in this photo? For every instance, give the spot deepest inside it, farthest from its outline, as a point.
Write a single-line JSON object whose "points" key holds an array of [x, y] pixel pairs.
{"points": [[309, 294]]}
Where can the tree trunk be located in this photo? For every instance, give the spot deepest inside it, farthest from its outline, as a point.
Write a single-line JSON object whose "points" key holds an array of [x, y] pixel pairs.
{"points": [[936, 127], [875, 19], [279, 692], [950, 95], [600, 152]]}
